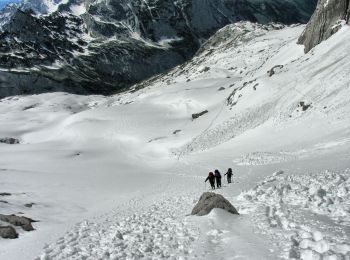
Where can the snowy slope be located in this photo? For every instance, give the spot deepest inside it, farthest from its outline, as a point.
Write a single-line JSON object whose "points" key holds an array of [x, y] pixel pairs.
{"points": [[113, 179]]}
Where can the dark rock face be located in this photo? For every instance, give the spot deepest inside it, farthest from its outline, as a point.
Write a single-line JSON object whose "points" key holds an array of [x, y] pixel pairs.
{"points": [[209, 201], [325, 22], [117, 43], [8, 232]]}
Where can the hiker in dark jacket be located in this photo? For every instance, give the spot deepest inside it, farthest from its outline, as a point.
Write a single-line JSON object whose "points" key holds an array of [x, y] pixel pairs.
{"points": [[211, 179], [218, 178], [229, 175]]}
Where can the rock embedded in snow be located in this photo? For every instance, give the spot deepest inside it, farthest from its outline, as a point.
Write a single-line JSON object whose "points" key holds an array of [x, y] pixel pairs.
{"points": [[8, 232], [272, 71], [195, 116], [24, 222], [29, 205], [304, 106], [8, 140], [176, 131], [209, 201]]}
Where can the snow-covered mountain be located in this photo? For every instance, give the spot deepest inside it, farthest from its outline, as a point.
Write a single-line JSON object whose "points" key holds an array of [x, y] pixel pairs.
{"points": [[6, 2], [133, 164], [95, 46], [39, 7]]}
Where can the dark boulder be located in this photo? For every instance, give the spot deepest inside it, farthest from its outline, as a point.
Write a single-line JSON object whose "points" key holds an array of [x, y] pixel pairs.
{"points": [[8, 140], [8, 232], [209, 201], [304, 106], [23, 222], [5, 194], [195, 116]]}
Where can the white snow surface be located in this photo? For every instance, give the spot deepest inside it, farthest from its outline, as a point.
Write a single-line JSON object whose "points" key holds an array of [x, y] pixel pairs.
{"points": [[111, 178], [78, 9]]}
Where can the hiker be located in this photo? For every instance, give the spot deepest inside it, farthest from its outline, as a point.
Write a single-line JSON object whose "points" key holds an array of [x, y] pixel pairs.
{"points": [[211, 179], [218, 178], [229, 175]]}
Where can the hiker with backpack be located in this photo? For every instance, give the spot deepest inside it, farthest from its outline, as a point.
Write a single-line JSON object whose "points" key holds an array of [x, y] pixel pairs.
{"points": [[211, 179], [229, 175], [218, 178]]}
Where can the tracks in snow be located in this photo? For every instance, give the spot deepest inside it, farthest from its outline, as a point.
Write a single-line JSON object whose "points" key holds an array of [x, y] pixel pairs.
{"points": [[155, 228], [307, 214]]}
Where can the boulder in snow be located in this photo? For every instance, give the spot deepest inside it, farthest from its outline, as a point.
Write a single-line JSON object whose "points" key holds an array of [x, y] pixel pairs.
{"points": [[23, 222], [5, 194], [8, 232], [209, 201], [9, 140], [195, 116]]}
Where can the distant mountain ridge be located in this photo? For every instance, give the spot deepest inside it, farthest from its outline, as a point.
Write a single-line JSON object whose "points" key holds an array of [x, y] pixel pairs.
{"points": [[105, 46]]}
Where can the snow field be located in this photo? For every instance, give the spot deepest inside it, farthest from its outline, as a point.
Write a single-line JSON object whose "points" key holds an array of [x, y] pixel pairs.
{"points": [[312, 210], [141, 158]]}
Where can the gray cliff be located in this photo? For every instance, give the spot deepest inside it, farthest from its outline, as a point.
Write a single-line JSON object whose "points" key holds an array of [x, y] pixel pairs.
{"points": [[326, 21]]}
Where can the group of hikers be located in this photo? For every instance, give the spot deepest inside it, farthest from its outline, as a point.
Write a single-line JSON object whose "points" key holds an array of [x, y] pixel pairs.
{"points": [[216, 177]]}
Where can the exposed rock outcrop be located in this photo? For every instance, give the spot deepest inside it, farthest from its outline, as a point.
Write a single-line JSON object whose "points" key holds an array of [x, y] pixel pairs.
{"points": [[326, 21], [209, 201]]}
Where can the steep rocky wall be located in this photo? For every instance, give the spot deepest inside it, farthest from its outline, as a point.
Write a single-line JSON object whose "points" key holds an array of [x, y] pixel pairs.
{"points": [[327, 20]]}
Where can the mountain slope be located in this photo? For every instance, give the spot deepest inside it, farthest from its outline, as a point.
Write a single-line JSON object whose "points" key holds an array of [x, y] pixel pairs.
{"points": [[277, 116], [95, 47]]}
